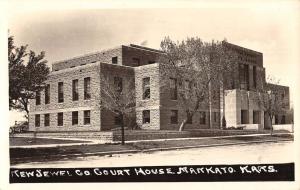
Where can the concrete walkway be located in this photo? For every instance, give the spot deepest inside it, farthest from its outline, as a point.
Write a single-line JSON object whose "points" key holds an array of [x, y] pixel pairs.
{"points": [[93, 142]]}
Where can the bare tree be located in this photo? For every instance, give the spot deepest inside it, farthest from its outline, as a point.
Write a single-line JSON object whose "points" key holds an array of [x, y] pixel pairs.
{"points": [[117, 96], [200, 69], [270, 99]]}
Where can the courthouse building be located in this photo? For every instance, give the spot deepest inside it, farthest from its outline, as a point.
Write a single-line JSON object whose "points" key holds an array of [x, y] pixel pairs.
{"points": [[71, 100]]}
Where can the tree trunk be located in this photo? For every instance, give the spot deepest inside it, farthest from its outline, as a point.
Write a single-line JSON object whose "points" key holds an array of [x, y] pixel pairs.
{"points": [[122, 130], [182, 125], [271, 127]]}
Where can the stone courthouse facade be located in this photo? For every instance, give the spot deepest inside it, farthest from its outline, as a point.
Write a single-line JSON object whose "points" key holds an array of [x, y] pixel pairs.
{"points": [[71, 100]]}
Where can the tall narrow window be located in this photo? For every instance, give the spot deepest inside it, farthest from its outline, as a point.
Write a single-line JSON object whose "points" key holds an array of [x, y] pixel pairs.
{"points": [[37, 120], [215, 116], [60, 92], [38, 98], [173, 88], [60, 119], [75, 118], [47, 120], [276, 119], [87, 88], [146, 116], [244, 117], [247, 76], [118, 83], [47, 94], [87, 117], [283, 119], [75, 90], [254, 76], [174, 116], [203, 118], [146, 88], [256, 117], [244, 76], [114, 60]]}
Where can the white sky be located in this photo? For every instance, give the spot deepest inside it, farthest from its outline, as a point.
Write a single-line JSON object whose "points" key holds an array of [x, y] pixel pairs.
{"points": [[70, 28]]}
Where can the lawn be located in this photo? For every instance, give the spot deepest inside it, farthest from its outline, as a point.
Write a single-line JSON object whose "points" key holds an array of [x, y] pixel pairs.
{"points": [[21, 141], [46, 153]]}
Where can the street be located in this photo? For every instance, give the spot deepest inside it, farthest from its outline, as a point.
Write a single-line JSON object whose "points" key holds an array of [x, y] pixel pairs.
{"points": [[280, 152]]}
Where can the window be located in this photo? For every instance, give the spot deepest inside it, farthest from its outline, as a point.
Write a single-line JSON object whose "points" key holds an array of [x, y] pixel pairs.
{"points": [[174, 116], [60, 119], [37, 120], [87, 88], [173, 88], [254, 76], [37, 98], [146, 116], [114, 60], [136, 61], [146, 88], [256, 117], [276, 120], [75, 90], [244, 76], [244, 117], [47, 120], [118, 83], [203, 118], [233, 83], [60, 92], [87, 117], [215, 116], [47, 94], [189, 118], [283, 119], [75, 118], [118, 119]]}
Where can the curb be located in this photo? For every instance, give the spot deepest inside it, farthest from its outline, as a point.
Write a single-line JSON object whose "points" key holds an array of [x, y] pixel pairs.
{"points": [[146, 150]]}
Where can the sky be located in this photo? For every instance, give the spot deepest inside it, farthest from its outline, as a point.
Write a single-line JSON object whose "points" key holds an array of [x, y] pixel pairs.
{"points": [[65, 29]]}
